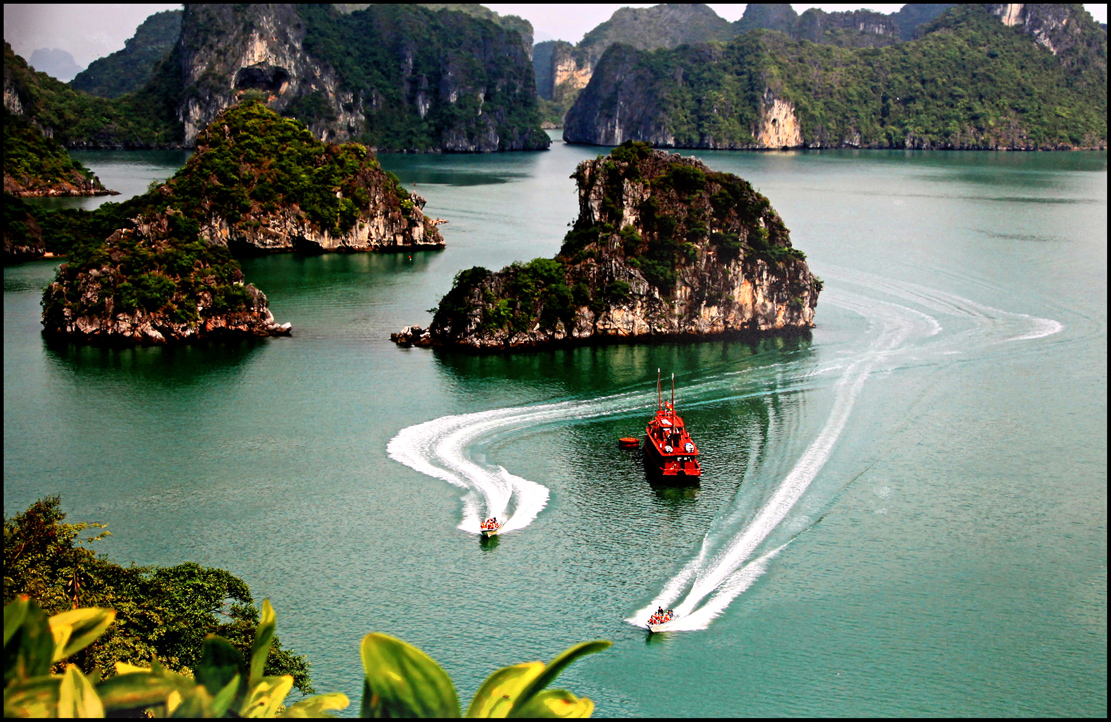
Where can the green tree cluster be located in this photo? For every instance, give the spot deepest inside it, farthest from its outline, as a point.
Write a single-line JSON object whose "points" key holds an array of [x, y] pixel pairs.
{"points": [[250, 162], [36, 162], [164, 612], [173, 274], [128, 70]]}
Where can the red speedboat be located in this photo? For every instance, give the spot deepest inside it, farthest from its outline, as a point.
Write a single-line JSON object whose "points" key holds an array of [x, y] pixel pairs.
{"points": [[490, 527], [669, 449]]}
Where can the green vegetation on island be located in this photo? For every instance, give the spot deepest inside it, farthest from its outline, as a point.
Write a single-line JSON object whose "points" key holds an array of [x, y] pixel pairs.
{"points": [[662, 246], [84, 637], [74, 119], [968, 82], [35, 165], [160, 267]]}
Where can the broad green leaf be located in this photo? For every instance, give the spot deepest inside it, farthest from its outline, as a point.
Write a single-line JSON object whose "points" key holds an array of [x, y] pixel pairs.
{"points": [[556, 703], [223, 699], [402, 681], [220, 662], [260, 648], [29, 650], [194, 703], [553, 669], [139, 688], [76, 696], [264, 699], [76, 629], [35, 697], [498, 693], [318, 705], [14, 613]]}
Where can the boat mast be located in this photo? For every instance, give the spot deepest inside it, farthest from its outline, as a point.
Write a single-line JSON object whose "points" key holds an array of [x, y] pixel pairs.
{"points": [[659, 392], [672, 392]]}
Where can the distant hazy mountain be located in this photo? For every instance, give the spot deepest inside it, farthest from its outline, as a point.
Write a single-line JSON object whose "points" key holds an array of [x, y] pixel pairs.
{"points": [[129, 69], [55, 63]]}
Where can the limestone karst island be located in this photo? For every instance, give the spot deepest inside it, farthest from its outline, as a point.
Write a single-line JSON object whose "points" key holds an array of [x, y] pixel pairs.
{"points": [[663, 248]]}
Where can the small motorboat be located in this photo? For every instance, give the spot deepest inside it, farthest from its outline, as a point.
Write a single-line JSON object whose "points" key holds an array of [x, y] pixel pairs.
{"points": [[658, 622], [490, 527], [629, 442]]}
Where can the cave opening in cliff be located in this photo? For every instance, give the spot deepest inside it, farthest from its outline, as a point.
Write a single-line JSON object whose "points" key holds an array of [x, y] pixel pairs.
{"points": [[267, 78]]}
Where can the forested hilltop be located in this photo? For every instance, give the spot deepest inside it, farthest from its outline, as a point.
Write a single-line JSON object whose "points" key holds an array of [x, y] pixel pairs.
{"points": [[396, 77], [978, 77]]}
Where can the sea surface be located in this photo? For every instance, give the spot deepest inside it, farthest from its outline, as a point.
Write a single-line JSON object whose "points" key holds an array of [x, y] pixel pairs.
{"points": [[904, 514]]}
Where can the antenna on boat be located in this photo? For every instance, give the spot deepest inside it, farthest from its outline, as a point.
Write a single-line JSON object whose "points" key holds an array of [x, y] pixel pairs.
{"points": [[659, 391], [673, 391]]}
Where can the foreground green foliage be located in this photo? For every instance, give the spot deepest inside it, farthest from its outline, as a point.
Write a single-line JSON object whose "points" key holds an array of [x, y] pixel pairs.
{"points": [[400, 680], [221, 685], [165, 612]]}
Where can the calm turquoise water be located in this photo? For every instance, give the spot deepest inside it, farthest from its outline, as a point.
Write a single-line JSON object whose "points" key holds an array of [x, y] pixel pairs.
{"points": [[905, 514]]}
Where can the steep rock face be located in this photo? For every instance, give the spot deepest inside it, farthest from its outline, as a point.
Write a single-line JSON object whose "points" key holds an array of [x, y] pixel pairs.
{"points": [[228, 50], [395, 77], [154, 282], [856, 28], [663, 247], [763, 90], [1058, 29]]}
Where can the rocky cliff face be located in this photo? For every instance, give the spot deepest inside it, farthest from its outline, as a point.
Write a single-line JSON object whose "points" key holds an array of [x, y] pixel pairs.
{"points": [[856, 28], [1057, 28], [397, 77], [228, 50], [663, 248], [763, 90], [154, 282]]}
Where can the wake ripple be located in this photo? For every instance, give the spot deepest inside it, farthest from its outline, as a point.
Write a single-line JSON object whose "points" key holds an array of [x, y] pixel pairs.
{"points": [[729, 561]]}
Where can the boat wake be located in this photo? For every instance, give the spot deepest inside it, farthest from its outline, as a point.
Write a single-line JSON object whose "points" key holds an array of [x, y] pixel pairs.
{"points": [[908, 325], [723, 570]]}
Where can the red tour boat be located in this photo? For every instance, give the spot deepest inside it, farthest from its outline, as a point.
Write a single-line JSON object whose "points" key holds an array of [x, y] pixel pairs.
{"points": [[669, 449]]}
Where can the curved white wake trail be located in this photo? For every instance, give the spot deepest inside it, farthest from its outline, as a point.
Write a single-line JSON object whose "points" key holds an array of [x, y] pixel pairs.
{"points": [[726, 575], [438, 448]]}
